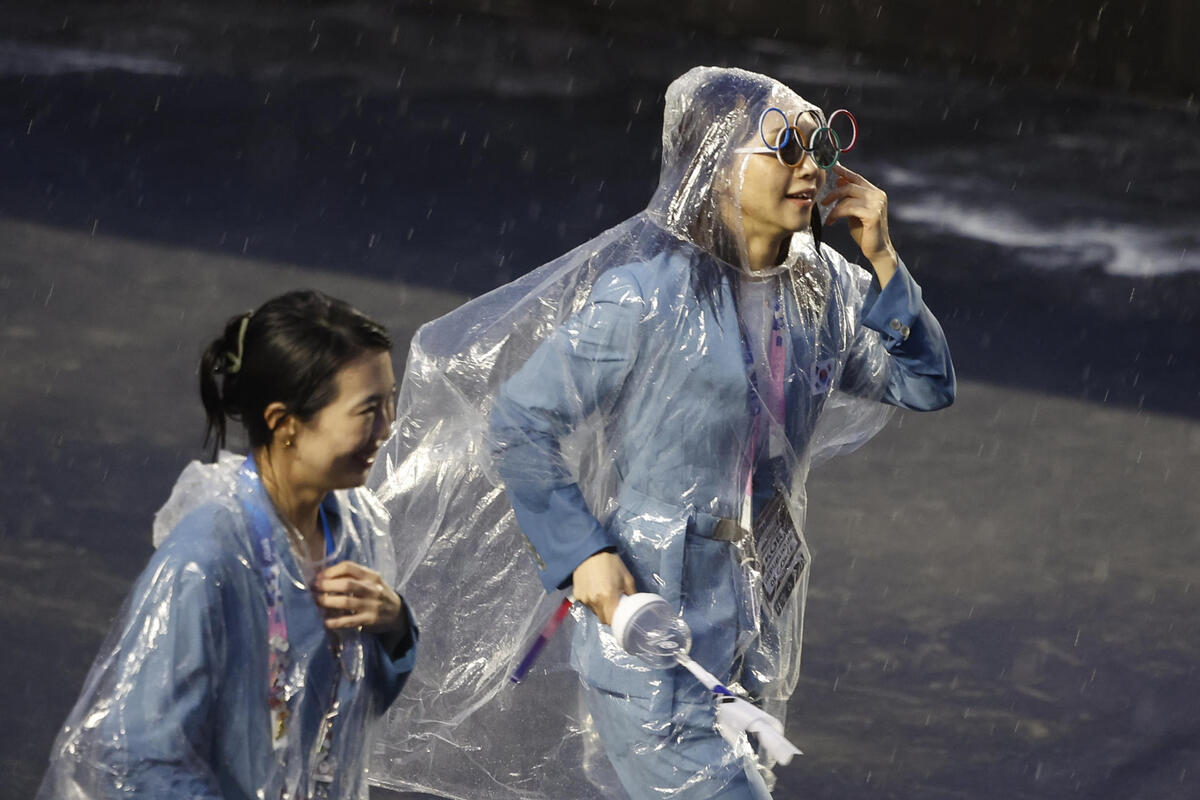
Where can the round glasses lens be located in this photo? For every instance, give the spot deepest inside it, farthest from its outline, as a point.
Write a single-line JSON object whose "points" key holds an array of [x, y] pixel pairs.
{"points": [[825, 148], [792, 150]]}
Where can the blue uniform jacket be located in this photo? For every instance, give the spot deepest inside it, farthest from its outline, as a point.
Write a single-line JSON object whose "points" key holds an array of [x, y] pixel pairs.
{"points": [[176, 705], [668, 372]]}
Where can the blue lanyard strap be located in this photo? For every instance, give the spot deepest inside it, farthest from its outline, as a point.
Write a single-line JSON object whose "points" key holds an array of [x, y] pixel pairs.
{"points": [[279, 658], [269, 567], [329, 543]]}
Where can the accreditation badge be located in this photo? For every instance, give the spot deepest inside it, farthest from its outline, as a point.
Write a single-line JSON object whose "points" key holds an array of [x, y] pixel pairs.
{"points": [[780, 553]]}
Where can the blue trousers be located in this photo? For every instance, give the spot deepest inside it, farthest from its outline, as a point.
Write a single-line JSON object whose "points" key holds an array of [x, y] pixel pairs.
{"points": [[682, 758]]}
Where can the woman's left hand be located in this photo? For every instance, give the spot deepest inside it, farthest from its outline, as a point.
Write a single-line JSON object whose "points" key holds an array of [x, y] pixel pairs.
{"points": [[864, 207], [354, 596]]}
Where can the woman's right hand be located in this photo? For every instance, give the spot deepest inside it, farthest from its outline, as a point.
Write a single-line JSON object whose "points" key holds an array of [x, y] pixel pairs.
{"points": [[600, 582]]}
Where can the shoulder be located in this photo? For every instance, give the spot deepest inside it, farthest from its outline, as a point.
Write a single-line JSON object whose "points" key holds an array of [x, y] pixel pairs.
{"points": [[663, 275], [851, 280], [839, 268], [190, 575], [208, 543]]}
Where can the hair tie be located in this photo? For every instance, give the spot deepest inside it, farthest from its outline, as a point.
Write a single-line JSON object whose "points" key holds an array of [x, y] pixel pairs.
{"points": [[235, 359]]}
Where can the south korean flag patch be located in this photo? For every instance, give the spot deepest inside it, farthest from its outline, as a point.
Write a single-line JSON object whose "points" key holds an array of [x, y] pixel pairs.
{"points": [[821, 376]]}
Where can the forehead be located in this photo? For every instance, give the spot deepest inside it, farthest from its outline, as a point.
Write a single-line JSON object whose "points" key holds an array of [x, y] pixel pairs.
{"points": [[368, 374]]}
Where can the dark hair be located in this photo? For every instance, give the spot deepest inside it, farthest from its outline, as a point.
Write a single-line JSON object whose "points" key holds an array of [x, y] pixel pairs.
{"points": [[287, 351], [716, 106], [722, 102]]}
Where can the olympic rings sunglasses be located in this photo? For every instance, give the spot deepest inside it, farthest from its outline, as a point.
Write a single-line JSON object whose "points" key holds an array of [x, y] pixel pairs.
{"points": [[791, 144]]}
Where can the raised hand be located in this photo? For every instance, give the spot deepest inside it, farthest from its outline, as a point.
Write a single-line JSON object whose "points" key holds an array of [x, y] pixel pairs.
{"points": [[864, 207]]}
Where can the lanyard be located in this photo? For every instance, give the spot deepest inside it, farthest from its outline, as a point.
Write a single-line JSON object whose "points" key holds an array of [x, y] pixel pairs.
{"points": [[278, 656], [776, 402], [329, 543], [269, 567]]}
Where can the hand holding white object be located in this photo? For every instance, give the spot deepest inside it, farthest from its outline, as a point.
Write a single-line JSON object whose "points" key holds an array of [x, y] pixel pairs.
{"points": [[645, 619]]}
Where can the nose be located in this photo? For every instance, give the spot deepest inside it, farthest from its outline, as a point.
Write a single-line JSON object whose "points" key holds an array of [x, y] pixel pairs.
{"points": [[383, 425], [807, 166]]}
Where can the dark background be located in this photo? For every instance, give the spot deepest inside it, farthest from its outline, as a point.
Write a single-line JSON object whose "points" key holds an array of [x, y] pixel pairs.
{"points": [[1004, 594]]}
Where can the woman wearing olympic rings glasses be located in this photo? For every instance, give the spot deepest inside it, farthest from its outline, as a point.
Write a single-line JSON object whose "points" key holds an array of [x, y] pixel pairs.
{"points": [[654, 401]]}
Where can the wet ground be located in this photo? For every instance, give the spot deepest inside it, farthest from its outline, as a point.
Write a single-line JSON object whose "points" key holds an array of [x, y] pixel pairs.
{"points": [[1004, 597]]}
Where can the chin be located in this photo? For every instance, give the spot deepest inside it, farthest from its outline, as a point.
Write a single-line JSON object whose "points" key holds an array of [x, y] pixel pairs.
{"points": [[358, 479], [794, 221]]}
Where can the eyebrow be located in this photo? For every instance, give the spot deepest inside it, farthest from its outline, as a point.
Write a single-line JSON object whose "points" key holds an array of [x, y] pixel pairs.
{"points": [[375, 398]]}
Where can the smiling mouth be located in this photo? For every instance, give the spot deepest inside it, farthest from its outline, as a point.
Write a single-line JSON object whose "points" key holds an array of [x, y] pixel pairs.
{"points": [[803, 194]]}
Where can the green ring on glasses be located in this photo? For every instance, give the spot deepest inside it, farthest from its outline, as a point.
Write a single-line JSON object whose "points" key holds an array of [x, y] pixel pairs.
{"points": [[837, 147]]}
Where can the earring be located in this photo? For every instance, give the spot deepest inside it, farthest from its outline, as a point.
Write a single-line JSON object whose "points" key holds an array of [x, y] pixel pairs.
{"points": [[287, 442]]}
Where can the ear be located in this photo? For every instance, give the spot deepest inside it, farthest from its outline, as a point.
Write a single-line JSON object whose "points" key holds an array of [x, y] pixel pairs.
{"points": [[278, 419]]}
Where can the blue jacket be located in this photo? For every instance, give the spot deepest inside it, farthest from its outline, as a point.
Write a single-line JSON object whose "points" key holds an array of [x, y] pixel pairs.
{"points": [[176, 703], [667, 371]]}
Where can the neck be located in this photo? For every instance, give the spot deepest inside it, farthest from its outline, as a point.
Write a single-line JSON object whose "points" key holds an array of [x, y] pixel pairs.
{"points": [[766, 252], [296, 504], [765, 248]]}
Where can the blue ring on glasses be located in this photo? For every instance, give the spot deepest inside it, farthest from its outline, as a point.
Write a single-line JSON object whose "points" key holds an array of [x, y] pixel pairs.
{"points": [[787, 130]]}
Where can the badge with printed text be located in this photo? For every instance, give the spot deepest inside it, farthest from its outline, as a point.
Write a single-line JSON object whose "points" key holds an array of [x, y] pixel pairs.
{"points": [[780, 552]]}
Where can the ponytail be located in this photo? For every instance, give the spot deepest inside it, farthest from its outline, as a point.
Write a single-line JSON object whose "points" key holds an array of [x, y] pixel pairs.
{"points": [[287, 351], [222, 359]]}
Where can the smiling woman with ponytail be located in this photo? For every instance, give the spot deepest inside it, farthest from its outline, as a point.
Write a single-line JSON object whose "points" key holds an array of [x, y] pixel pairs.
{"points": [[265, 638]]}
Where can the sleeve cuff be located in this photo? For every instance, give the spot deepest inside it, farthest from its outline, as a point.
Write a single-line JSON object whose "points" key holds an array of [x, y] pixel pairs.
{"points": [[560, 530], [560, 573], [400, 645], [893, 310]]}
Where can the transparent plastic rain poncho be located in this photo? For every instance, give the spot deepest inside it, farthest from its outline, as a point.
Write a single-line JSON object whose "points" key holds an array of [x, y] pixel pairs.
{"points": [[176, 703], [606, 396]]}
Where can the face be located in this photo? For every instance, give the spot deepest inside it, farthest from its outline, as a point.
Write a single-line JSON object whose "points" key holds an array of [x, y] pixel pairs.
{"points": [[775, 199], [336, 447]]}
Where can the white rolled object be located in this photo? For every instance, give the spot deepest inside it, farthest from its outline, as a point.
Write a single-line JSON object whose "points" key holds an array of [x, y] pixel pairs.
{"points": [[646, 626], [704, 676], [735, 716]]}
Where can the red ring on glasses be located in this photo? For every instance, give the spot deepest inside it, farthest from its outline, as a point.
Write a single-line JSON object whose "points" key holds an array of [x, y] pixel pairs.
{"points": [[853, 128]]}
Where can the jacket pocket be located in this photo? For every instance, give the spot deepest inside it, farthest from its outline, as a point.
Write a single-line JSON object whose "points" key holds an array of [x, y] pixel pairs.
{"points": [[651, 539]]}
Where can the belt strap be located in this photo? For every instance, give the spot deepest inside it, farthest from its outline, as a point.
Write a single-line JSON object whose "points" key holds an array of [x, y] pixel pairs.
{"points": [[728, 530]]}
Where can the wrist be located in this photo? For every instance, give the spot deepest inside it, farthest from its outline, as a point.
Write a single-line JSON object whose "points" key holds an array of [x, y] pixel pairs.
{"points": [[611, 549], [885, 263]]}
